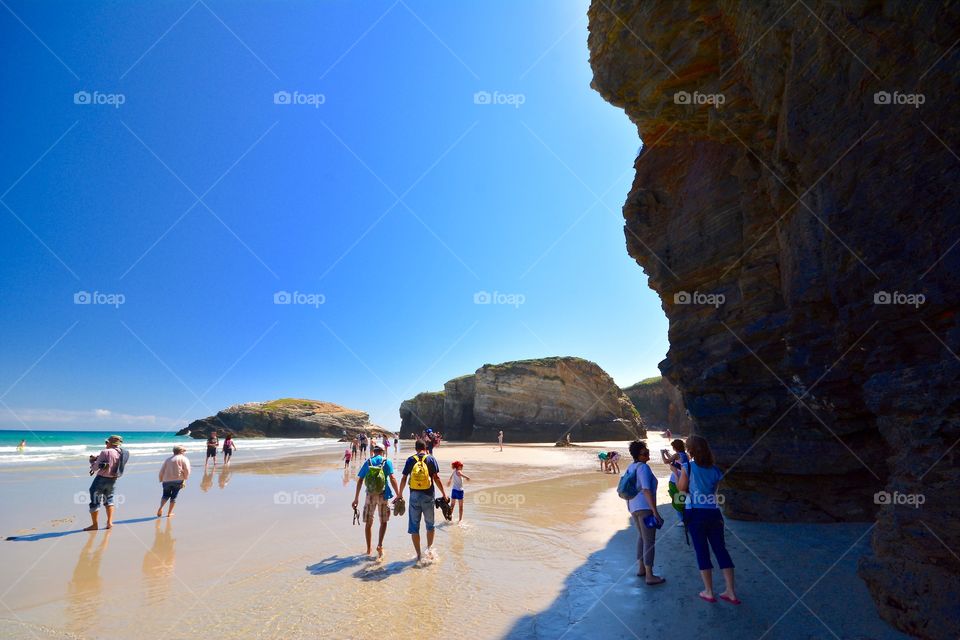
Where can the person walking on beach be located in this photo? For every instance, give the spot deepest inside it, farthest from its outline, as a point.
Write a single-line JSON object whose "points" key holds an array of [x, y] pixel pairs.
{"points": [[396, 445], [108, 466], [674, 460], [642, 507], [212, 443], [173, 475], [363, 446], [346, 457], [500, 440], [423, 472], [456, 486], [699, 478], [376, 474], [354, 447], [228, 447]]}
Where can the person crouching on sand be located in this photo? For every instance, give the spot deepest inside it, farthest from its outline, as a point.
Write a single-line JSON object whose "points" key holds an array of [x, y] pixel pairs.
{"points": [[699, 478], [613, 462], [376, 474], [456, 484], [173, 475], [108, 467], [642, 506]]}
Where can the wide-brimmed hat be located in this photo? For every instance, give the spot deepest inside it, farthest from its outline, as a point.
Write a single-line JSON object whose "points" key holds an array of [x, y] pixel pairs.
{"points": [[115, 440]]}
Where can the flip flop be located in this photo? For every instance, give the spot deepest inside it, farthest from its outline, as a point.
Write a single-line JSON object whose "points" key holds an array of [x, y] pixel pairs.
{"points": [[729, 599], [703, 597]]}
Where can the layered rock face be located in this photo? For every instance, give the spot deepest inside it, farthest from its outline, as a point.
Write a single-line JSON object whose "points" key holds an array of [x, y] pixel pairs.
{"points": [[285, 418], [795, 197], [539, 400], [660, 404]]}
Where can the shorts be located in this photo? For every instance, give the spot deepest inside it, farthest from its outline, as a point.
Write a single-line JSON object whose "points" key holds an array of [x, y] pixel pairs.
{"points": [[420, 504], [211, 452], [172, 489], [101, 492], [375, 502], [227, 451], [456, 494]]}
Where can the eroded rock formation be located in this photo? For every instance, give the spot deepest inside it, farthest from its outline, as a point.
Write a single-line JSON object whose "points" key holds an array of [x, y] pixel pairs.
{"points": [[795, 196], [285, 418], [538, 400], [660, 404]]}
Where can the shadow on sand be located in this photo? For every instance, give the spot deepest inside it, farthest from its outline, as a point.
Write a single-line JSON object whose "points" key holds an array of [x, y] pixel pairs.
{"points": [[370, 571], [33, 537], [784, 573], [335, 564]]}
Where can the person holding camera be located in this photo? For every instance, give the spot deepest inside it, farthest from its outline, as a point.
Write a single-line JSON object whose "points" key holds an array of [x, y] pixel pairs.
{"points": [[643, 510], [108, 466], [674, 460]]}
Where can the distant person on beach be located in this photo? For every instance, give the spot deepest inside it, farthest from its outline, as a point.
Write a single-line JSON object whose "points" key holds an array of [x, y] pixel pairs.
{"points": [[173, 475], [346, 457], [423, 472], [228, 448], [108, 466], [674, 460], [376, 474], [386, 445], [456, 486], [396, 444], [22, 445], [668, 434], [613, 462], [642, 507], [354, 447], [363, 446], [429, 441], [212, 443], [699, 478], [602, 457], [500, 440]]}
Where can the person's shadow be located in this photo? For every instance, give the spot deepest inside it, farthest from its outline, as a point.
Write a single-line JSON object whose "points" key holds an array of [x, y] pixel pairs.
{"points": [[33, 537], [335, 564], [378, 572]]}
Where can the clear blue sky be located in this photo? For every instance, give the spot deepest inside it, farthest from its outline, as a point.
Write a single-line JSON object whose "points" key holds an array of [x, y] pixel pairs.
{"points": [[397, 199]]}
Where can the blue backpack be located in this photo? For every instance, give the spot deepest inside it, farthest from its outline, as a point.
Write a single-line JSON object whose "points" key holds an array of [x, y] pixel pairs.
{"points": [[627, 487]]}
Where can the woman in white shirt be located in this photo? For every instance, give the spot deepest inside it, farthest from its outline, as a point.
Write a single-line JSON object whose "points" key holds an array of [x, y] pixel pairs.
{"points": [[641, 506]]}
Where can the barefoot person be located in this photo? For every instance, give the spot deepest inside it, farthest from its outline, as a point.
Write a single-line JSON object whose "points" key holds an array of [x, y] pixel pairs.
{"points": [[642, 508], [700, 479], [228, 448], [674, 460], [173, 474], [212, 443], [500, 440], [108, 466], [376, 474], [423, 472], [456, 486]]}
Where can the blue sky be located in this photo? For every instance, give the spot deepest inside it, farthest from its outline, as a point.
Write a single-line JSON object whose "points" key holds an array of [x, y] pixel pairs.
{"points": [[182, 163]]}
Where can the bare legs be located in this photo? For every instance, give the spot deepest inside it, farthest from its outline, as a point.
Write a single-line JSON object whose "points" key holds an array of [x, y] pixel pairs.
{"points": [[169, 511], [707, 577], [416, 542]]}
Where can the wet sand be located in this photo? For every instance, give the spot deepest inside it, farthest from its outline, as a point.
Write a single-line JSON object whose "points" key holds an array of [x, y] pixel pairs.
{"points": [[268, 549]]}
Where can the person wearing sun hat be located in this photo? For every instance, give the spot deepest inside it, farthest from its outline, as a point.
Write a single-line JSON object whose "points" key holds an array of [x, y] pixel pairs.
{"points": [[106, 468]]}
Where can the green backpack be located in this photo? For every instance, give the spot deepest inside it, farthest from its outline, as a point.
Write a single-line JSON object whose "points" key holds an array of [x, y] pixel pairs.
{"points": [[376, 479]]}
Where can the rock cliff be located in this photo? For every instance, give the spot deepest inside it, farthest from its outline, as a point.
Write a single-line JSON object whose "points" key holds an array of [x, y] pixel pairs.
{"points": [[538, 400], [660, 404], [285, 418], [795, 206]]}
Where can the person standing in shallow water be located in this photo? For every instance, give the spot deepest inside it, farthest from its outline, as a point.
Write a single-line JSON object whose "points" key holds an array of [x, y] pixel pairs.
{"points": [[641, 506], [228, 448], [699, 478], [106, 466], [212, 443], [173, 474], [423, 472], [380, 470]]}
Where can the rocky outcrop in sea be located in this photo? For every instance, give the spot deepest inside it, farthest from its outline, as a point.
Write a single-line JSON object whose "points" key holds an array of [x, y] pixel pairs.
{"points": [[285, 418], [541, 400], [796, 207]]}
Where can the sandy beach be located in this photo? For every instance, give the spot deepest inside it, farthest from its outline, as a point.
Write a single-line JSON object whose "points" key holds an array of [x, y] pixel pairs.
{"points": [[267, 548]]}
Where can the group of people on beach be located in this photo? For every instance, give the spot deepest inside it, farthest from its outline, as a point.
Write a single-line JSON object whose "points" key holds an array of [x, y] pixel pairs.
{"points": [[358, 447], [693, 491], [384, 497], [213, 443]]}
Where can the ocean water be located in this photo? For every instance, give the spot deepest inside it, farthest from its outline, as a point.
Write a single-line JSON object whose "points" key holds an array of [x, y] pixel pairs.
{"points": [[75, 446]]}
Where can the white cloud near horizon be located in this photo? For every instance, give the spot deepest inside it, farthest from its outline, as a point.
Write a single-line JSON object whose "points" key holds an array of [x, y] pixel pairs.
{"points": [[16, 418]]}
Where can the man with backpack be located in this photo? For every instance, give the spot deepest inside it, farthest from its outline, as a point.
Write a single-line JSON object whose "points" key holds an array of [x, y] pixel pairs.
{"points": [[108, 466], [423, 472], [376, 474]]}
